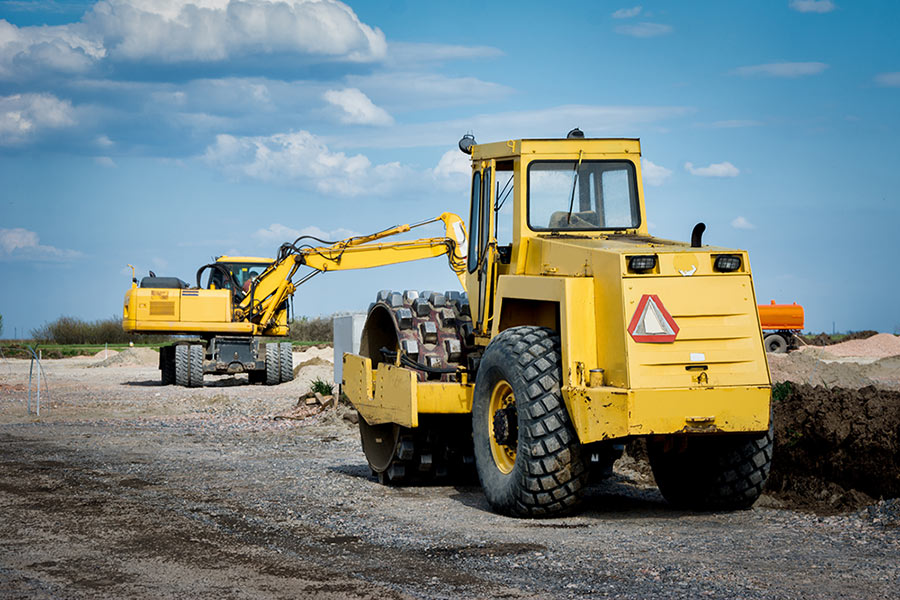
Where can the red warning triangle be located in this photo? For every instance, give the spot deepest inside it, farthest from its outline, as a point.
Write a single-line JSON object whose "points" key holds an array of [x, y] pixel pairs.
{"points": [[652, 322]]}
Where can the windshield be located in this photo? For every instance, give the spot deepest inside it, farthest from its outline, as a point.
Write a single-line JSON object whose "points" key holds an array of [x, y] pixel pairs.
{"points": [[243, 274], [585, 195]]}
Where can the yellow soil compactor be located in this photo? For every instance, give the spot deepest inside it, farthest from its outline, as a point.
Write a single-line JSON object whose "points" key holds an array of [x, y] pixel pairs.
{"points": [[578, 331]]}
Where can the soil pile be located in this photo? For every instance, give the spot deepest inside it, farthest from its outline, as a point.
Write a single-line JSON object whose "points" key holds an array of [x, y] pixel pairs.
{"points": [[835, 449], [131, 357], [314, 363], [877, 346], [871, 363]]}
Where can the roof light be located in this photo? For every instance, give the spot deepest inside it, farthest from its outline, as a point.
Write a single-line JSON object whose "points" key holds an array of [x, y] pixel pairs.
{"points": [[727, 263], [642, 263]]}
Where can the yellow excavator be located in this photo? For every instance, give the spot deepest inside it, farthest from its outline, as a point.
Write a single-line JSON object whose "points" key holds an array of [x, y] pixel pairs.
{"points": [[246, 297]]}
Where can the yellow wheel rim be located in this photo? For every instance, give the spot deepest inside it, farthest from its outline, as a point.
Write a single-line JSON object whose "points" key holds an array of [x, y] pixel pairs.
{"points": [[504, 456]]}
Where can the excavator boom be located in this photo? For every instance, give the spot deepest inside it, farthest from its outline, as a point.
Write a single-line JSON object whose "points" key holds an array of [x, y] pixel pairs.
{"points": [[275, 284]]}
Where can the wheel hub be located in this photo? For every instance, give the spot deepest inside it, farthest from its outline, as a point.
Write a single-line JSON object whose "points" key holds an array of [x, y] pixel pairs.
{"points": [[503, 429], [506, 429]]}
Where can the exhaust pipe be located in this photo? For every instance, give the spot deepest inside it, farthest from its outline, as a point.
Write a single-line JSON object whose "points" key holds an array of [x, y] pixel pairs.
{"points": [[697, 235]]}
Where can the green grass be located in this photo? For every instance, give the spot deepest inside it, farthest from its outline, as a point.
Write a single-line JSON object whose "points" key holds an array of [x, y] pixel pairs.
{"points": [[322, 387], [19, 349]]}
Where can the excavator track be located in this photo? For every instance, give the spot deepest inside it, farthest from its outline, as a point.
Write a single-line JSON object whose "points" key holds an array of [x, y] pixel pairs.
{"points": [[431, 329]]}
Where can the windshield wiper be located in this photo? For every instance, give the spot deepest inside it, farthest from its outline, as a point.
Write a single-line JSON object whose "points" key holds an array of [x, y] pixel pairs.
{"points": [[574, 185]]}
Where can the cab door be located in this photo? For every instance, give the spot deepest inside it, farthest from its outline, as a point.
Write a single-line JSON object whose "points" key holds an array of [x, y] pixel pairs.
{"points": [[482, 247]]}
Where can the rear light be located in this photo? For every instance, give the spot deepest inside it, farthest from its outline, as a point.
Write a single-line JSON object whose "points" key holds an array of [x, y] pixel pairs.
{"points": [[727, 263], [642, 263]]}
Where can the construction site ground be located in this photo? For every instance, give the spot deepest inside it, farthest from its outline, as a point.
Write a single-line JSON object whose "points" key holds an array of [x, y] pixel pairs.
{"points": [[123, 488]]}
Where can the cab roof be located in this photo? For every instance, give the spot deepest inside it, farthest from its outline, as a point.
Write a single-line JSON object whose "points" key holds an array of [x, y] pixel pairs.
{"points": [[245, 259], [550, 147]]}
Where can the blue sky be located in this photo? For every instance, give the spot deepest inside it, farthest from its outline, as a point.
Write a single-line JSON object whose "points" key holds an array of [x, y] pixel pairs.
{"points": [[164, 133]]}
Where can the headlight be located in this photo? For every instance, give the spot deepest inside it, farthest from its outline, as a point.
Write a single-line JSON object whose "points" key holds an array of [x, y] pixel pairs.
{"points": [[727, 263], [641, 263]]}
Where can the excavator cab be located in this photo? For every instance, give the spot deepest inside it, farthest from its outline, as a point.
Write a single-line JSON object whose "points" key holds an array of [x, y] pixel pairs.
{"points": [[240, 269]]}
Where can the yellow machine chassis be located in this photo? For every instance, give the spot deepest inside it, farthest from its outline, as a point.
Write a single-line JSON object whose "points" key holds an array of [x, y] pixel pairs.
{"points": [[390, 394]]}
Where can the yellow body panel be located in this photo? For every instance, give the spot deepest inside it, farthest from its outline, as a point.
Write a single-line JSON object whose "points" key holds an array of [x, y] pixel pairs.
{"points": [[609, 413], [179, 311], [382, 395]]}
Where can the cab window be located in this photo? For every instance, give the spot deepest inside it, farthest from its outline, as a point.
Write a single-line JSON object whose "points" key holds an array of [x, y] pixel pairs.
{"points": [[582, 195]]}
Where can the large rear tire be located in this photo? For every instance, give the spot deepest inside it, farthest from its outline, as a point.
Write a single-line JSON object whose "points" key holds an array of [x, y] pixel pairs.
{"points": [[527, 453], [273, 364], [182, 365], [287, 362], [195, 376], [711, 472]]}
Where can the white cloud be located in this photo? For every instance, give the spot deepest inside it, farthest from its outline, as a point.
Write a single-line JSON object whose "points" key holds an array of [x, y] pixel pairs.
{"points": [[276, 233], [302, 158], [722, 169], [357, 108], [173, 31], [213, 30], [63, 48], [627, 13], [103, 141], [813, 6], [20, 244], [453, 164], [742, 223], [654, 174], [782, 69], [23, 116], [105, 161], [644, 30], [888, 79]]}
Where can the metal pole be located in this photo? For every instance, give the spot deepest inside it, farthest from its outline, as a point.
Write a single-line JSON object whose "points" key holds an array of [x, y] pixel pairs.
{"points": [[40, 368], [30, 372]]}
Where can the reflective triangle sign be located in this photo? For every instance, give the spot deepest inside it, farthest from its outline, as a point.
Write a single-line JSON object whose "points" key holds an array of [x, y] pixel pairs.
{"points": [[652, 322]]}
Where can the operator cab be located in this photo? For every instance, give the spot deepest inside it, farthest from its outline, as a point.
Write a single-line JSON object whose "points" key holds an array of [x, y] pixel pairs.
{"points": [[242, 269]]}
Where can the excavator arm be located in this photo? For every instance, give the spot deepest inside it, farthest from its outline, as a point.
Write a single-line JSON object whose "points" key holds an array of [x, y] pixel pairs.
{"points": [[275, 284]]}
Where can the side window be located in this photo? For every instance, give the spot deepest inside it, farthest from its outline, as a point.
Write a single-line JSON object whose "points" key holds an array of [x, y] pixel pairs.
{"points": [[474, 221], [503, 204], [485, 213]]}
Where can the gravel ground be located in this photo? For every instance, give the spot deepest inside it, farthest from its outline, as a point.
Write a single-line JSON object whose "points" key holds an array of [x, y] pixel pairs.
{"points": [[127, 489]]}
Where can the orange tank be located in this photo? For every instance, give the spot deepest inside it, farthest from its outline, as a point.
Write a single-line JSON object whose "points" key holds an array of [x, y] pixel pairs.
{"points": [[781, 316]]}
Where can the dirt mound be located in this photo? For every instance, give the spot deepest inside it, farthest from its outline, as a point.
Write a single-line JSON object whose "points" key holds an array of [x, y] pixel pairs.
{"points": [[878, 346], [131, 357], [835, 449], [816, 366], [104, 354], [314, 361]]}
